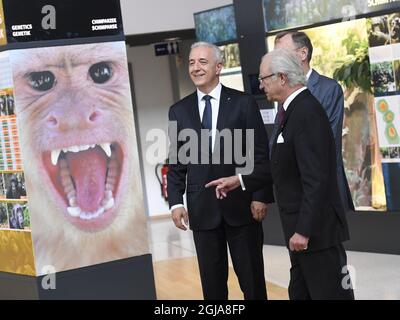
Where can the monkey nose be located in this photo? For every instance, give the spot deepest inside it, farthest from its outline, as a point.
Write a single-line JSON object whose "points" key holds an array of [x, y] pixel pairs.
{"points": [[52, 121], [73, 120], [94, 116]]}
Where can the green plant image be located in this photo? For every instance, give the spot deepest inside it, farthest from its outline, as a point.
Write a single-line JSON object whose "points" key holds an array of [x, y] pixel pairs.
{"points": [[354, 70], [3, 216], [27, 219], [341, 51]]}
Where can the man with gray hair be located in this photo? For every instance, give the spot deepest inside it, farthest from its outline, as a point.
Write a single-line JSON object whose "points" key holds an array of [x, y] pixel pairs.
{"points": [[304, 174], [328, 92], [235, 222]]}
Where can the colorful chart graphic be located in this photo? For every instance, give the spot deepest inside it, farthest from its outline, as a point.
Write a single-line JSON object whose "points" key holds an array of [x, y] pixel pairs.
{"points": [[10, 154], [388, 117]]}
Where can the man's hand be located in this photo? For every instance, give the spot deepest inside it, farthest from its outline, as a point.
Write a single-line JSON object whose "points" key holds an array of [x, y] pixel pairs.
{"points": [[178, 215], [224, 185], [259, 210], [298, 242]]}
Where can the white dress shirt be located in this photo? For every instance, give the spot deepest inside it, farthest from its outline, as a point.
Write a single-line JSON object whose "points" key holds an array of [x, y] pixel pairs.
{"points": [[215, 95], [292, 96], [309, 74]]}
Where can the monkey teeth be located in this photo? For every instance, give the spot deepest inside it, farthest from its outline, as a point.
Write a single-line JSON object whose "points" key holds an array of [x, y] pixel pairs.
{"points": [[55, 154], [108, 201], [76, 212]]}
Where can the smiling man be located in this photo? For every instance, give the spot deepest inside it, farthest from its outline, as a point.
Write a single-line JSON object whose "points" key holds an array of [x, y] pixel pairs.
{"points": [[235, 221]]}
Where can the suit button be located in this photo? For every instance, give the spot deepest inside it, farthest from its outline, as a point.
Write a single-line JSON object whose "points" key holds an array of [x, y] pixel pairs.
{"points": [[280, 209], [275, 162]]}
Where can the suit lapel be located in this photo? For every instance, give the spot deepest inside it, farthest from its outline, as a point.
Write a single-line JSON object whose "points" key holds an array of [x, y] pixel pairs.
{"points": [[193, 112], [223, 111], [313, 80], [288, 112]]}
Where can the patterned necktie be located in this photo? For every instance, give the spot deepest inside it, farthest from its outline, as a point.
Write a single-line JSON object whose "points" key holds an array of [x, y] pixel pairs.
{"points": [[206, 122], [280, 114]]}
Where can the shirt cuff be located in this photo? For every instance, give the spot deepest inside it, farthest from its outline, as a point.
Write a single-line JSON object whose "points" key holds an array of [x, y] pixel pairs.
{"points": [[241, 182], [176, 206]]}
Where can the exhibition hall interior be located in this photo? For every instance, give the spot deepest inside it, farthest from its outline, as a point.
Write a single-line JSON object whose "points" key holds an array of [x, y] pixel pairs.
{"points": [[85, 205]]}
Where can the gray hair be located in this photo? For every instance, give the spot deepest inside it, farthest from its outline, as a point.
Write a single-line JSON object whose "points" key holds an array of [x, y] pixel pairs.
{"points": [[284, 62], [219, 58]]}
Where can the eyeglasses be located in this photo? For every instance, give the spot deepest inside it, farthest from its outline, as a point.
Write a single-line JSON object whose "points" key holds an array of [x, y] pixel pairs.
{"points": [[265, 77]]}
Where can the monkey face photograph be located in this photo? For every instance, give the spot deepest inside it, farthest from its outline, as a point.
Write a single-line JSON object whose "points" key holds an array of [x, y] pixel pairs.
{"points": [[383, 78], [75, 118], [6, 102], [14, 185], [394, 26], [3, 105], [378, 31], [18, 216]]}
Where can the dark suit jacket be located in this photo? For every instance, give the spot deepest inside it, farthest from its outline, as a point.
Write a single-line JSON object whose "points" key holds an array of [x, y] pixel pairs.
{"points": [[304, 173], [329, 93], [237, 110]]}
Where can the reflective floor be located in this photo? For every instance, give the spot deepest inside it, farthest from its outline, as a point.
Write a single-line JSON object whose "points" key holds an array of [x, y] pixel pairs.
{"points": [[376, 276]]}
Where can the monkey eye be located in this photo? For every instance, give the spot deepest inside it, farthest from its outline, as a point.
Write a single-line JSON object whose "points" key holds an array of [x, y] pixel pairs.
{"points": [[41, 81], [100, 72]]}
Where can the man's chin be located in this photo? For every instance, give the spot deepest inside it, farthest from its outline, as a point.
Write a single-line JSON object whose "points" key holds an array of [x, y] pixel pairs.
{"points": [[199, 83]]}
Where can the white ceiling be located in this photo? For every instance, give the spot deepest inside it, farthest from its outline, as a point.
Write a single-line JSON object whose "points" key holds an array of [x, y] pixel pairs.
{"points": [[150, 16]]}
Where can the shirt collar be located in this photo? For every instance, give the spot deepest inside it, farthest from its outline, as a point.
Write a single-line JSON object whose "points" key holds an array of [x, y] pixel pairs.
{"points": [[292, 96], [215, 93], [309, 74]]}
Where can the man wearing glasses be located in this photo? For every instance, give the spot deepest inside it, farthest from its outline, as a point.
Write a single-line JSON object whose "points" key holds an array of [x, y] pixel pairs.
{"points": [[303, 167], [328, 92]]}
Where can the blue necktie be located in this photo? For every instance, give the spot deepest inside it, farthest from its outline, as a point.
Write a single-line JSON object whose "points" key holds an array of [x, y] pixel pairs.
{"points": [[206, 121]]}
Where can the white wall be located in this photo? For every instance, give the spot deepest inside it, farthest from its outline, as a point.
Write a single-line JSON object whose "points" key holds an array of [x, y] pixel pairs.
{"points": [[185, 84], [152, 75], [153, 92], [163, 15]]}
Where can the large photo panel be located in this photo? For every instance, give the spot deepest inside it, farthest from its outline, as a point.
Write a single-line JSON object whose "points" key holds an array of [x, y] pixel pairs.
{"points": [[79, 149]]}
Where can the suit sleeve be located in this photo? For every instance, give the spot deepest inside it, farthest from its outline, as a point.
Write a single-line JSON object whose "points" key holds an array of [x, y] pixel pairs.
{"points": [[312, 152], [176, 177], [260, 180], [334, 107]]}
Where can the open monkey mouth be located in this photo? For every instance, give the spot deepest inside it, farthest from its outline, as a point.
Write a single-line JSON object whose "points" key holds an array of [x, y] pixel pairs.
{"points": [[86, 177]]}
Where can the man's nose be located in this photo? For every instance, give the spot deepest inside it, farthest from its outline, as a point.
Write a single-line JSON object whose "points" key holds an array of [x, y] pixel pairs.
{"points": [[196, 66]]}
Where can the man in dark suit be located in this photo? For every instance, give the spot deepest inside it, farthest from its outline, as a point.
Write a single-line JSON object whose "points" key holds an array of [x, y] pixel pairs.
{"points": [[235, 221], [304, 174], [328, 92]]}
